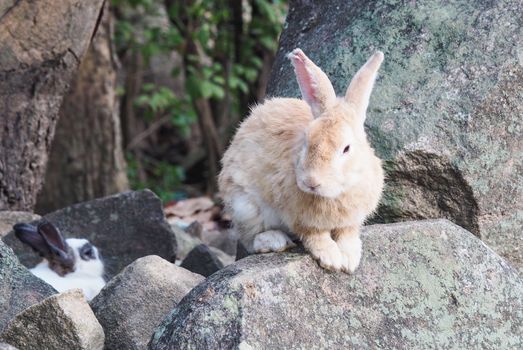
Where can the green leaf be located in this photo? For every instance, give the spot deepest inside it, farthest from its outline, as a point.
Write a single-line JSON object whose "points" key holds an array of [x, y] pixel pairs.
{"points": [[242, 86], [219, 80], [218, 92], [268, 42], [148, 87], [142, 100], [267, 10], [256, 62], [250, 74], [206, 88], [193, 86]]}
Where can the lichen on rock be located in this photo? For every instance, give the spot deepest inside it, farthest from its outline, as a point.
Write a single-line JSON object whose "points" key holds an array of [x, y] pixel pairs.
{"points": [[424, 284], [446, 111], [19, 288]]}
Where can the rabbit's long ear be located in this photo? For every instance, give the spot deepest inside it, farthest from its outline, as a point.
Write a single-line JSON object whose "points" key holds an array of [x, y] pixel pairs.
{"points": [[316, 88], [54, 239], [360, 88], [28, 234]]}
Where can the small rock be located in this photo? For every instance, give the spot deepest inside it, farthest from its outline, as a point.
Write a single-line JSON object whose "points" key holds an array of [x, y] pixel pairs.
{"points": [[195, 229], [221, 239], [19, 288], [125, 227], [202, 260], [241, 251], [62, 321], [185, 242], [134, 302], [420, 285], [9, 218], [223, 257], [4, 346]]}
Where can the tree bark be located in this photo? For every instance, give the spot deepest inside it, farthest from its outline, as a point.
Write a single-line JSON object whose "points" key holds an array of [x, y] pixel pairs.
{"points": [[132, 124], [41, 43], [86, 159]]}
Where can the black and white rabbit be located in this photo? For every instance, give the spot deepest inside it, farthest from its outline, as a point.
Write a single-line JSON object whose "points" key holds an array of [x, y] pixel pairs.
{"points": [[68, 263]]}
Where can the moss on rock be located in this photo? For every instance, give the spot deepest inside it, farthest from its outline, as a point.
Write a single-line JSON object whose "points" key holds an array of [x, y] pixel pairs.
{"points": [[426, 284], [449, 90]]}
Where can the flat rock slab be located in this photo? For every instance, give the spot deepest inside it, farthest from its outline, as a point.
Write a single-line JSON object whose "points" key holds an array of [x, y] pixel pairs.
{"points": [[124, 227], [134, 302], [62, 321], [19, 288], [446, 113], [420, 285]]}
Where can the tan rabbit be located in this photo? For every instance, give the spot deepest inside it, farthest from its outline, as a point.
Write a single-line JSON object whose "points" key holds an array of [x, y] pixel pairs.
{"points": [[304, 167]]}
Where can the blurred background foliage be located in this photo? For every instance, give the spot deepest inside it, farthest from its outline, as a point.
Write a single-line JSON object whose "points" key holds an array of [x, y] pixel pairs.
{"points": [[189, 72]]}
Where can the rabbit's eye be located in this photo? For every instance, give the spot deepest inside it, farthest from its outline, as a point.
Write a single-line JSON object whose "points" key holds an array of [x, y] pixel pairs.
{"points": [[346, 149], [87, 252]]}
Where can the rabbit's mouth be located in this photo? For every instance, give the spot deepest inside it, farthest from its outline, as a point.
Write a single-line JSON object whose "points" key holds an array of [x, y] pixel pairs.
{"points": [[318, 190], [63, 265], [308, 189]]}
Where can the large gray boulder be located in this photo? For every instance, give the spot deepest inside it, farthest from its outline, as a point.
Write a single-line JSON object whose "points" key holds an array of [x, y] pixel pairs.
{"points": [[124, 227], [420, 285], [447, 111], [62, 321], [134, 302], [19, 288], [9, 218]]}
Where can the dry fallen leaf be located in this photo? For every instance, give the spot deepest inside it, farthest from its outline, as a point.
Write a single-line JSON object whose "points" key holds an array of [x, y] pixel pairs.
{"points": [[201, 210], [188, 207]]}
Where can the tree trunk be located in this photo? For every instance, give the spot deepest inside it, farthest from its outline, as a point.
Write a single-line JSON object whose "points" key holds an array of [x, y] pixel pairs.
{"points": [[41, 43], [132, 124], [86, 159]]}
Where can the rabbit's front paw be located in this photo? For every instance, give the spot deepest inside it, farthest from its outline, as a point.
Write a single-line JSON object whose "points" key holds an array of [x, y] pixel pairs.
{"points": [[350, 248], [330, 259], [272, 241], [326, 252]]}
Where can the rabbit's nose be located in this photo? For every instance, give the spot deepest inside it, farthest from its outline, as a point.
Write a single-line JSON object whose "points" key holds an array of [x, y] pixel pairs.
{"points": [[311, 183]]}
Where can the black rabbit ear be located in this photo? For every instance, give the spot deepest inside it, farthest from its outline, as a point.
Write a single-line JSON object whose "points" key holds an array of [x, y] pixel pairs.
{"points": [[54, 239], [28, 234], [61, 258]]}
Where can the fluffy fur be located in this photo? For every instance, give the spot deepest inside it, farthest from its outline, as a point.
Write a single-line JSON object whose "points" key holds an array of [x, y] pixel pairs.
{"points": [[67, 264], [305, 167], [87, 275]]}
